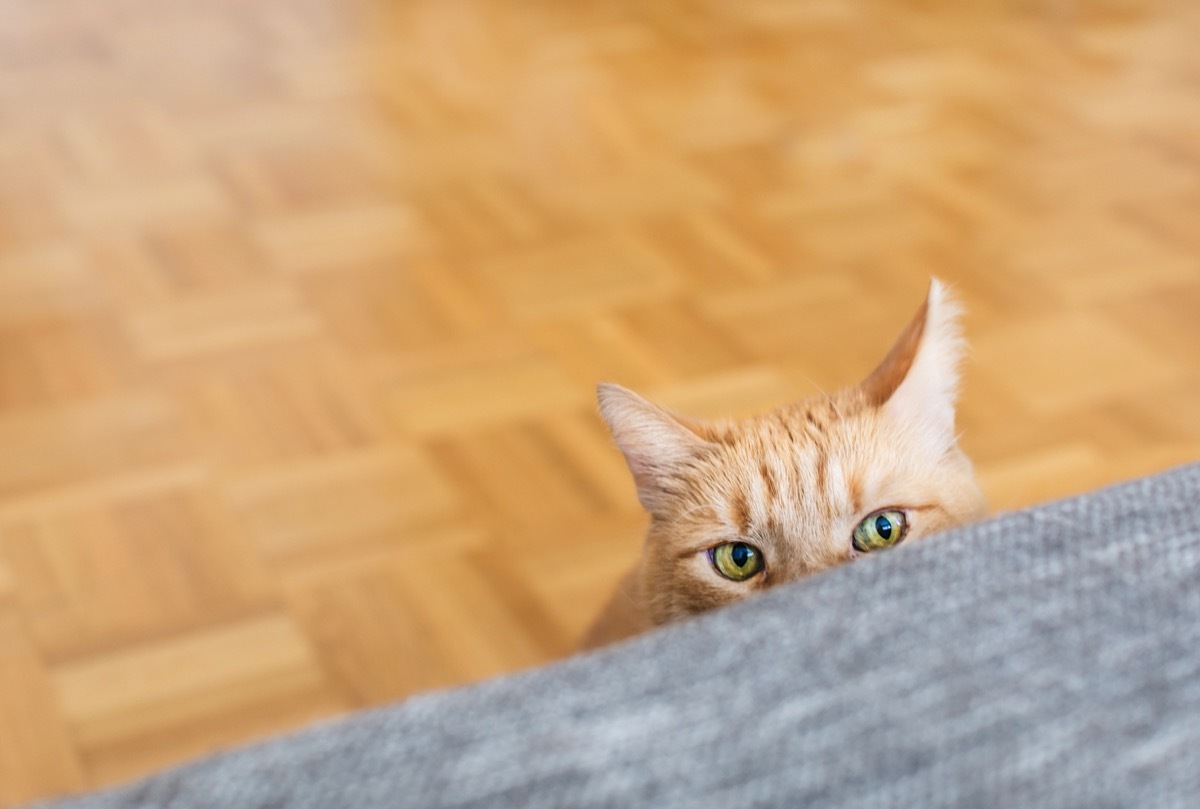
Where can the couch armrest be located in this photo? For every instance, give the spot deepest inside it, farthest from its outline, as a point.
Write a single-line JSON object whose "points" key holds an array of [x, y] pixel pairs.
{"points": [[1049, 657]]}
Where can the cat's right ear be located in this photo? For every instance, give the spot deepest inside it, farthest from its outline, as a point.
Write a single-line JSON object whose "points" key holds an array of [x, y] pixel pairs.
{"points": [[656, 443], [917, 382]]}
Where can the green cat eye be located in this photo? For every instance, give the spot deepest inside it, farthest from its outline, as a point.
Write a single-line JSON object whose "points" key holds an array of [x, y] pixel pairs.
{"points": [[880, 530], [736, 561]]}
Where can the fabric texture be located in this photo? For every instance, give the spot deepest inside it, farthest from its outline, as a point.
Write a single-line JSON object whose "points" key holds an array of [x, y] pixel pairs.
{"points": [[1049, 657]]}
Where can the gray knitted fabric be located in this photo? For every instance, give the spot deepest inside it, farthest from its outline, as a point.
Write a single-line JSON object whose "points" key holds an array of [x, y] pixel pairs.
{"points": [[1045, 658]]}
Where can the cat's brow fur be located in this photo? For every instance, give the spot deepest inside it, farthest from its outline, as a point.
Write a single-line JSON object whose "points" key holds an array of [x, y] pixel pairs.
{"points": [[795, 481]]}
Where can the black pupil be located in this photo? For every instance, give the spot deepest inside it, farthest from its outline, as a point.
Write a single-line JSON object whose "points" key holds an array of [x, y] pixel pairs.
{"points": [[884, 526], [740, 554]]}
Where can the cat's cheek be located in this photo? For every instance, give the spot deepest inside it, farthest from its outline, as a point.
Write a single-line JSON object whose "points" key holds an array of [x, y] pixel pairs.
{"points": [[700, 566], [698, 597]]}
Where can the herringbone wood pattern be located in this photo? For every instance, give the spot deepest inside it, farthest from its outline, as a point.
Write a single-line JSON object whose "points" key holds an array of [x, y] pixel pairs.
{"points": [[302, 303]]}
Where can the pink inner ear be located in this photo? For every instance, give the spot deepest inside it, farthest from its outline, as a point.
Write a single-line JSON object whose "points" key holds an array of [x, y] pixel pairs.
{"points": [[887, 376]]}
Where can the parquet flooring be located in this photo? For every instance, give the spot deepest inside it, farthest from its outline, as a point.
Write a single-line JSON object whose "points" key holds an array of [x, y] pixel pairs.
{"points": [[302, 303]]}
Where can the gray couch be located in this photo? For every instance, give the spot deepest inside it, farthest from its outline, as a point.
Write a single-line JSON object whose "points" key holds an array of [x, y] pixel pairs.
{"points": [[1044, 658]]}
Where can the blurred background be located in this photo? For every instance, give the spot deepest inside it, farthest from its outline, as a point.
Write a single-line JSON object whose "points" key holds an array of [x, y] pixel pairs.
{"points": [[302, 305]]}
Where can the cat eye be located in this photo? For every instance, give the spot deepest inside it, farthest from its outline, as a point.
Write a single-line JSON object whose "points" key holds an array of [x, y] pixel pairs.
{"points": [[736, 561], [880, 530]]}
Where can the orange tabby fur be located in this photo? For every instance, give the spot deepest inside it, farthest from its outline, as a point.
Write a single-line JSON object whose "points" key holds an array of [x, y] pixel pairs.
{"points": [[795, 481]]}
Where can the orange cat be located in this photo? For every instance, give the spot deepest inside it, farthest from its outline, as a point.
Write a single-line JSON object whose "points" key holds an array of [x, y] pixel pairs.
{"points": [[740, 506]]}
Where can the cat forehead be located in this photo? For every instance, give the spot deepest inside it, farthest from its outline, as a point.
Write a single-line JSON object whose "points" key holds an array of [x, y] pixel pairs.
{"points": [[798, 457], [825, 425]]}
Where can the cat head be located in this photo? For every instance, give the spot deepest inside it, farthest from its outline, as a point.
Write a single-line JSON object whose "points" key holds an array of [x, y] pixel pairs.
{"points": [[739, 506]]}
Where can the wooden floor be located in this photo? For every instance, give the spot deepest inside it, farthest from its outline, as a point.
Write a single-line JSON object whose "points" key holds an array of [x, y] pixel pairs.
{"points": [[302, 303]]}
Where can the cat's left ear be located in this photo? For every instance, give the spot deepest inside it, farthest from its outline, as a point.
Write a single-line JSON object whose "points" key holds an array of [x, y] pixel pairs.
{"points": [[917, 382], [657, 444]]}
